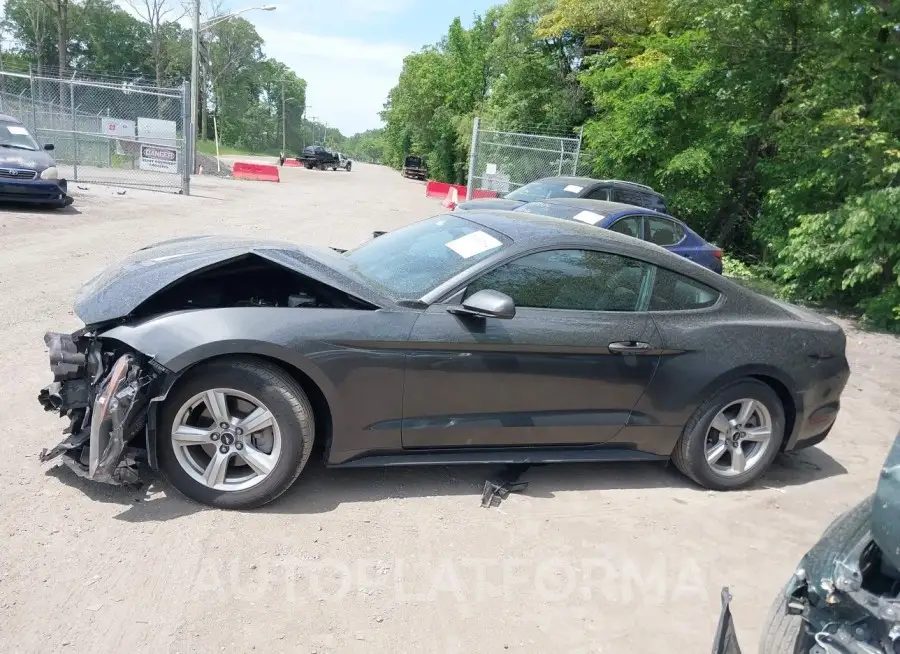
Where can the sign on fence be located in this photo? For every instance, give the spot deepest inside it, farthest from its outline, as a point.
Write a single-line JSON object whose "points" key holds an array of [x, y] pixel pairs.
{"points": [[124, 132], [154, 130], [159, 158]]}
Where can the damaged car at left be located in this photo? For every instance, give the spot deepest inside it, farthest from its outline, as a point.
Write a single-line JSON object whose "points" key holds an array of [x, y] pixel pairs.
{"points": [[28, 172]]}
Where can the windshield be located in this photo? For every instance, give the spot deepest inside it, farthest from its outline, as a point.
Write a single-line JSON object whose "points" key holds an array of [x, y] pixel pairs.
{"points": [[413, 162], [544, 189], [16, 136], [413, 260]]}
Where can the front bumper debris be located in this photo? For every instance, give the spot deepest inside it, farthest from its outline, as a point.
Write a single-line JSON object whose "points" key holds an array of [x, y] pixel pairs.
{"points": [[104, 395]]}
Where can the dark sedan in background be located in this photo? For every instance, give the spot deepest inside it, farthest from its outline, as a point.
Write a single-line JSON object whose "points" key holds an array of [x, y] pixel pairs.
{"points": [[28, 173], [615, 190], [471, 337], [638, 222]]}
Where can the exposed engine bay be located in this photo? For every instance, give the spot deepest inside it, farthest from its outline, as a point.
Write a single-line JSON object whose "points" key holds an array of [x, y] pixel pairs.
{"points": [[246, 281]]}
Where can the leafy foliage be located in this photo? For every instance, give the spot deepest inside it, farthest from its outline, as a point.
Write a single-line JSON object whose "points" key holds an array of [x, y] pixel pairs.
{"points": [[772, 126]]}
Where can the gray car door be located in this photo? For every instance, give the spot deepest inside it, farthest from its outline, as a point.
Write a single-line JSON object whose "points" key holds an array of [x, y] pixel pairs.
{"points": [[567, 369]]}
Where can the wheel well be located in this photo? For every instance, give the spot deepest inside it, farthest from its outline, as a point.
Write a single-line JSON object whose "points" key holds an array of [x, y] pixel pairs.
{"points": [[787, 402], [321, 410]]}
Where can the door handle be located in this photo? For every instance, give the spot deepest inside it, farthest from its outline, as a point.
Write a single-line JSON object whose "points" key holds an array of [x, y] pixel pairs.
{"points": [[626, 347]]}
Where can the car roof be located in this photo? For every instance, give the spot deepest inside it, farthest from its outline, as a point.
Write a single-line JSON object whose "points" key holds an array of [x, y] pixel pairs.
{"points": [[606, 207], [529, 231], [590, 181], [9, 119]]}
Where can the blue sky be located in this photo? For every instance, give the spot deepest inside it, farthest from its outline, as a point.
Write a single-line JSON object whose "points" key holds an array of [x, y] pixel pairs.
{"points": [[350, 52]]}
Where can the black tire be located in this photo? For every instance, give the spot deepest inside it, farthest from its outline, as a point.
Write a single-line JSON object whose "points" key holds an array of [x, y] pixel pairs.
{"points": [[689, 455], [348, 168], [280, 394], [784, 633], [333, 168]]}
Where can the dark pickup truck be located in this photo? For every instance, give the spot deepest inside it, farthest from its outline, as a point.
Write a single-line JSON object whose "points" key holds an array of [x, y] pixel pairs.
{"points": [[317, 156], [415, 168]]}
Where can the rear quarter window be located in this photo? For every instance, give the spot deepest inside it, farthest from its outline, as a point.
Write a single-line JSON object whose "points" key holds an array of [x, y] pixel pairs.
{"points": [[675, 292]]}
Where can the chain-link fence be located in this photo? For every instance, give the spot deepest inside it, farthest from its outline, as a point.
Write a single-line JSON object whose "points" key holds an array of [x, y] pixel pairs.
{"points": [[119, 134], [502, 160]]}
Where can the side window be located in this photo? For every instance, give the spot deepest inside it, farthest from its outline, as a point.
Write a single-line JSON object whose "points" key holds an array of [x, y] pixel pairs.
{"points": [[569, 279], [629, 225], [674, 292], [662, 231], [628, 196], [601, 193]]}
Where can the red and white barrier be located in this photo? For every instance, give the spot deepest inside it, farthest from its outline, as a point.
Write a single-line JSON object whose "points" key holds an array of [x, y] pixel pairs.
{"points": [[452, 198], [442, 190], [292, 163], [255, 172]]}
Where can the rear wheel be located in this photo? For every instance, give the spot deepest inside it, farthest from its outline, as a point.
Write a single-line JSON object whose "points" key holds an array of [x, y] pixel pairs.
{"points": [[235, 434], [732, 438]]}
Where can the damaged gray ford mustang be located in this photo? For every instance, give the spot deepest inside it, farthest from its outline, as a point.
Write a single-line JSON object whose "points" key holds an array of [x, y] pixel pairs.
{"points": [[492, 338]]}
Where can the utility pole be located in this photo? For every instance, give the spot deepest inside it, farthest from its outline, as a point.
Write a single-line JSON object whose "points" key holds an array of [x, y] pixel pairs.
{"points": [[195, 86], [283, 120]]}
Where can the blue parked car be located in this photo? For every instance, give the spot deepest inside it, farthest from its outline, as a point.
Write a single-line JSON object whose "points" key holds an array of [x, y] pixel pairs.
{"points": [[639, 222], [28, 172]]}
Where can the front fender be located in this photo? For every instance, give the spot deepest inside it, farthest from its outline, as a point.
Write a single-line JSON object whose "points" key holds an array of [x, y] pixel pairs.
{"points": [[177, 342]]}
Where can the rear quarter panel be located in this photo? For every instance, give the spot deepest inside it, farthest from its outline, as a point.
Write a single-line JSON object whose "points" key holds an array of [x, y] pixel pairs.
{"points": [[704, 351]]}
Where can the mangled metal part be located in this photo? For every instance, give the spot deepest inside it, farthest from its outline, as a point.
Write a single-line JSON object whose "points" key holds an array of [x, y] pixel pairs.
{"points": [[66, 358], [495, 492], [726, 637], [96, 446]]}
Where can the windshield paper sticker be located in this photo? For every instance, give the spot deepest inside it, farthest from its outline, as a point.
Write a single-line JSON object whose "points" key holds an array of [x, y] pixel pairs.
{"points": [[588, 217], [472, 244], [16, 129], [571, 188]]}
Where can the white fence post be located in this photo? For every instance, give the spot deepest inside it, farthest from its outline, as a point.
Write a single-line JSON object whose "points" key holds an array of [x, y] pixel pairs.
{"points": [[470, 182]]}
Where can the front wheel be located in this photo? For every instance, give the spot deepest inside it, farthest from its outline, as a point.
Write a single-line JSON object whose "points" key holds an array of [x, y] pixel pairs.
{"points": [[784, 633], [348, 168], [235, 434], [732, 438]]}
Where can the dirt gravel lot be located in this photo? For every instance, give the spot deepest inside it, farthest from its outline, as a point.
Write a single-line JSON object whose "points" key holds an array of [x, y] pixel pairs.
{"points": [[592, 558]]}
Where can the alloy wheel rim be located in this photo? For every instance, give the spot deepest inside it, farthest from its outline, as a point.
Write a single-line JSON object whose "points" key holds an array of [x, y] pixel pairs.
{"points": [[739, 437], [226, 439]]}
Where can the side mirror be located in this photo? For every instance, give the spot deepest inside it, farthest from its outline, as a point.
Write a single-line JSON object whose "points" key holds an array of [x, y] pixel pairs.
{"points": [[487, 304], [49, 146]]}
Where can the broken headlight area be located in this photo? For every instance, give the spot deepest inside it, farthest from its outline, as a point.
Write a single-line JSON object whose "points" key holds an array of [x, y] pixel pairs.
{"points": [[103, 391], [854, 608]]}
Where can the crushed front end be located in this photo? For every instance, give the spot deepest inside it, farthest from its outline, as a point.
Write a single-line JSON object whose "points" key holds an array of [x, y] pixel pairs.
{"points": [[103, 389], [847, 591]]}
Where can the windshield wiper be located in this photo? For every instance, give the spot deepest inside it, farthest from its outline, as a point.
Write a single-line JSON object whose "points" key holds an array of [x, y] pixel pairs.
{"points": [[17, 147]]}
